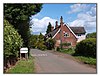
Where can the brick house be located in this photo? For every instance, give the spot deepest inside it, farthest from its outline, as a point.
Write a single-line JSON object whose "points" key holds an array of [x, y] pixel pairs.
{"points": [[65, 34]]}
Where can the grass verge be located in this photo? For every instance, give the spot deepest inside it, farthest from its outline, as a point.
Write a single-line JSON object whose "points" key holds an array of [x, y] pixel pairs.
{"points": [[86, 60], [23, 66], [68, 51]]}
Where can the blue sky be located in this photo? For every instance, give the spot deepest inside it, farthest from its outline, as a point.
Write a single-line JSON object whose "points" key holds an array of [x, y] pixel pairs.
{"points": [[73, 14]]}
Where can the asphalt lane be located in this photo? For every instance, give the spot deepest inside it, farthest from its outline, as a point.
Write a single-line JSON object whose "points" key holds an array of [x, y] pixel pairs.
{"points": [[46, 62]]}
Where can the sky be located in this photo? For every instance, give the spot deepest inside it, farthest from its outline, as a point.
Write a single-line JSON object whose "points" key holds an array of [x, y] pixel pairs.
{"points": [[75, 15]]}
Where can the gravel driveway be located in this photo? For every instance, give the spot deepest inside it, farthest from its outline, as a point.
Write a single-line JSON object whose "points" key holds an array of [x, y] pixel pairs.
{"points": [[46, 62]]}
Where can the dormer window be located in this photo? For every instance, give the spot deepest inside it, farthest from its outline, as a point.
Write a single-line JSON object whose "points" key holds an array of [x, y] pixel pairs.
{"points": [[66, 34]]}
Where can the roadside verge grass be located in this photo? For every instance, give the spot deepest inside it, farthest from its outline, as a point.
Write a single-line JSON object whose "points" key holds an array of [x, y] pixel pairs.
{"points": [[86, 60], [68, 51], [23, 67]]}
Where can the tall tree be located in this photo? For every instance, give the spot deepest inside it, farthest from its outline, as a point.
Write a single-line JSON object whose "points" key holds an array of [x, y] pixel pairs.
{"points": [[49, 28], [19, 16]]}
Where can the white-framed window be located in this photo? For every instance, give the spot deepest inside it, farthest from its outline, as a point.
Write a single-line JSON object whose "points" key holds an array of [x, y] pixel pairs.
{"points": [[66, 34], [79, 34]]}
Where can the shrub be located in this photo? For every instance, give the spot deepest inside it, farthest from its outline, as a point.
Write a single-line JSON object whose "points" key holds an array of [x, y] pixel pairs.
{"points": [[42, 47], [65, 45], [91, 35], [12, 41], [50, 43], [86, 47], [58, 49]]}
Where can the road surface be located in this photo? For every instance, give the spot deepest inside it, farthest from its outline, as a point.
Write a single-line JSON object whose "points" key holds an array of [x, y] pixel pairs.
{"points": [[46, 62]]}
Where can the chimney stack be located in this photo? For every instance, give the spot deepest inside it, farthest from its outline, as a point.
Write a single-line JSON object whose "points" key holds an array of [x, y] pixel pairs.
{"points": [[56, 24], [61, 20]]}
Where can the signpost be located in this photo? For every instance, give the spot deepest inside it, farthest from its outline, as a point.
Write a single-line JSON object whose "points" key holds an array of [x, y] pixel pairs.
{"points": [[24, 52]]}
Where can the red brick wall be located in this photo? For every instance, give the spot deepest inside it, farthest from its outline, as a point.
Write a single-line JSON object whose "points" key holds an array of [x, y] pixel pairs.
{"points": [[70, 39]]}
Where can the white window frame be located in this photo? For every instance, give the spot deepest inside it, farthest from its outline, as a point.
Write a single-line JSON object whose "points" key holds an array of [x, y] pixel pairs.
{"points": [[66, 33]]}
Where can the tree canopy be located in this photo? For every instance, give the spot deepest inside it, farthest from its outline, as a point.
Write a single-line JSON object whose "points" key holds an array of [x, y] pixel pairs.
{"points": [[16, 13], [49, 28], [91, 35], [37, 41], [19, 15]]}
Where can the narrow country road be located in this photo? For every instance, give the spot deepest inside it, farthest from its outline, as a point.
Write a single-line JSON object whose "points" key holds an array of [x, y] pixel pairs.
{"points": [[46, 62]]}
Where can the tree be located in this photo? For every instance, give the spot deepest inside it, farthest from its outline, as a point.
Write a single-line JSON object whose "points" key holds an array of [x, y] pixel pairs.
{"points": [[19, 15], [41, 37], [33, 41], [48, 28], [37, 41], [91, 35]]}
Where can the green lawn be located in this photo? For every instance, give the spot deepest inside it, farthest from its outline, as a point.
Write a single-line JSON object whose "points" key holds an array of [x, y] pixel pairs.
{"points": [[23, 66]]}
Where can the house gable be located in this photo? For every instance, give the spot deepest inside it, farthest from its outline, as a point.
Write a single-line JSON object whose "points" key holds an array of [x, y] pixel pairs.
{"points": [[69, 39]]}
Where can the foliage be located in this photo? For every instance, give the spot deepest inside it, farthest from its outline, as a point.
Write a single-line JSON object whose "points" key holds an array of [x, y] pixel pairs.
{"points": [[18, 15], [37, 41], [15, 13], [12, 40], [86, 47], [58, 49], [87, 60], [91, 35], [33, 41], [71, 51], [65, 44], [68, 51], [49, 28], [50, 43], [23, 67]]}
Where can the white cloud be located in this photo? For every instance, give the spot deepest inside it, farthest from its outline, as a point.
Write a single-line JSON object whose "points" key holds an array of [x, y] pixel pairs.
{"points": [[92, 11], [77, 8], [76, 23], [40, 25], [86, 19]]}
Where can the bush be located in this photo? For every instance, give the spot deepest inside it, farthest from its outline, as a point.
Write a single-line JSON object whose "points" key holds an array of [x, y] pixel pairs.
{"points": [[86, 47], [50, 43], [91, 35], [58, 49], [42, 47], [12, 41], [65, 45]]}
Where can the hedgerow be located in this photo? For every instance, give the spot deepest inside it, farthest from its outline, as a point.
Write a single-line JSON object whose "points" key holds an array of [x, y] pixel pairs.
{"points": [[86, 47], [12, 41]]}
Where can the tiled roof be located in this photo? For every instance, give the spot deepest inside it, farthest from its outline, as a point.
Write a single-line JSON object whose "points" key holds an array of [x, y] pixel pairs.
{"points": [[53, 32], [78, 30]]}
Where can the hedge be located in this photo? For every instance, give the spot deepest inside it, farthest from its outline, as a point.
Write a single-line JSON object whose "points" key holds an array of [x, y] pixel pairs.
{"points": [[12, 41], [86, 47]]}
